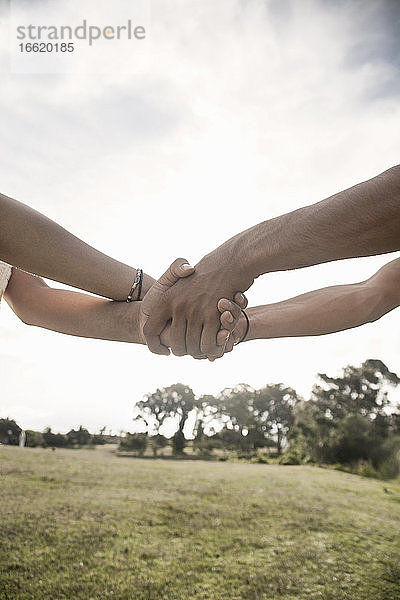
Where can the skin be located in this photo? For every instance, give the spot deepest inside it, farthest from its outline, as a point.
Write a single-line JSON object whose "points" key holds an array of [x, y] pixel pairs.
{"points": [[345, 225], [78, 314], [32, 242], [322, 311]]}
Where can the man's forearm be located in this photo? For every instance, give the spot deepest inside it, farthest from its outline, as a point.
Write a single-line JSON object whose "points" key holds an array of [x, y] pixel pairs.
{"points": [[363, 220], [34, 243]]}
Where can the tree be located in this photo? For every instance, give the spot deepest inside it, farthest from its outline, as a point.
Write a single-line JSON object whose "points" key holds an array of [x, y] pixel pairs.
{"points": [[56, 440], [235, 410], [9, 432], [79, 437], [346, 419], [173, 402], [208, 420], [258, 414], [273, 409], [360, 390], [157, 442]]}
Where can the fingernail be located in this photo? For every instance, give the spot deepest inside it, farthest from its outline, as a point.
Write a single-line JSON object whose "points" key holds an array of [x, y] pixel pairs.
{"points": [[229, 318], [241, 297], [186, 267]]}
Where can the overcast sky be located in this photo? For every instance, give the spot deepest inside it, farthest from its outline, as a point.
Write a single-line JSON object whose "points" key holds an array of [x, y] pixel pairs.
{"points": [[229, 113]]}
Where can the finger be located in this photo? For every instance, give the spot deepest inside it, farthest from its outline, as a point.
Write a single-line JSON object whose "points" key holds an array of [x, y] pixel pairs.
{"points": [[178, 269], [208, 344], [222, 337], [226, 340], [240, 299], [178, 337], [226, 320], [151, 331], [193, 337], [228, 305], [165, 335], [229, 345]]}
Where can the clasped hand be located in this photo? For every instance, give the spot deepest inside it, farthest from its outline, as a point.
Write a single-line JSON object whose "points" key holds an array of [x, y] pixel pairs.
{"points": [[207, 328]]}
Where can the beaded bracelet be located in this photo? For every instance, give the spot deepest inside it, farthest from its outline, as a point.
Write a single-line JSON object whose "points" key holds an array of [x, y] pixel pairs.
{"points": [[137, 284]]}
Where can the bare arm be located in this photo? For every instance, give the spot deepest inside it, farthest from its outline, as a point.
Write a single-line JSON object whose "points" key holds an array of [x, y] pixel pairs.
{"points": [[360, 221], [363, 220], [326, 310], [78, 314], [34, 243], [73, 313]]}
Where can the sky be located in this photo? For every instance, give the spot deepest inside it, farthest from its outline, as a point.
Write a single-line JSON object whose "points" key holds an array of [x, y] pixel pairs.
{"points": [[226, 115]]}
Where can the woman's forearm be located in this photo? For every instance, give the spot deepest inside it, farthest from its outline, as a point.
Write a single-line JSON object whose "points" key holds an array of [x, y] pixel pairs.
{"points": [[35, 243], [72, 313], [330, 309]]}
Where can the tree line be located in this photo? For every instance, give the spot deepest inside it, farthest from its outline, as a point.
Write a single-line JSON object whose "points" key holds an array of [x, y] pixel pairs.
{"points": [[348, 420], [10, 433]]}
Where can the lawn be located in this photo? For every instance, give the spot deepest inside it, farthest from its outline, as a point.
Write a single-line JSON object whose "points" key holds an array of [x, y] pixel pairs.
{"points": [[87, 524]]}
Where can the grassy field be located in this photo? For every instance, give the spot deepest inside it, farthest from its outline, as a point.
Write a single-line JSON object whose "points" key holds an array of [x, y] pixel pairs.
{"points": [[81, 524]]}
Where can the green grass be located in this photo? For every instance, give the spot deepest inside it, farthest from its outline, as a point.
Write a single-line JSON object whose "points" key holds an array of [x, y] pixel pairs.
{"points": [[80, 524]]}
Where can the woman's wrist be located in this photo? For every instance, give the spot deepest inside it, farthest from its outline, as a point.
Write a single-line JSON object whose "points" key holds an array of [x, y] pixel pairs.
{"points": [[132, 322]]}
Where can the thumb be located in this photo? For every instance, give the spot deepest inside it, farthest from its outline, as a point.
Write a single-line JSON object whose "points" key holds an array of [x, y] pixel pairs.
{"points": [[178, 269]]}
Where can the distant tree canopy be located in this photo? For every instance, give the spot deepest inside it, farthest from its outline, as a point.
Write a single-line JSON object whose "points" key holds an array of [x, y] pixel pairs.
{"points": [[174, 402], [78, 437], [56, 440], [346, 418], [258, 417]]}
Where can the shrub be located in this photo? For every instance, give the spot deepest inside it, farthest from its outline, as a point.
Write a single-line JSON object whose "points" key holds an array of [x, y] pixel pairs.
{"points": [[260, 459], [388, 461], [365, 469], [291, 457], [134, 442], [99, 440], [33, 438], [57, 440]]}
